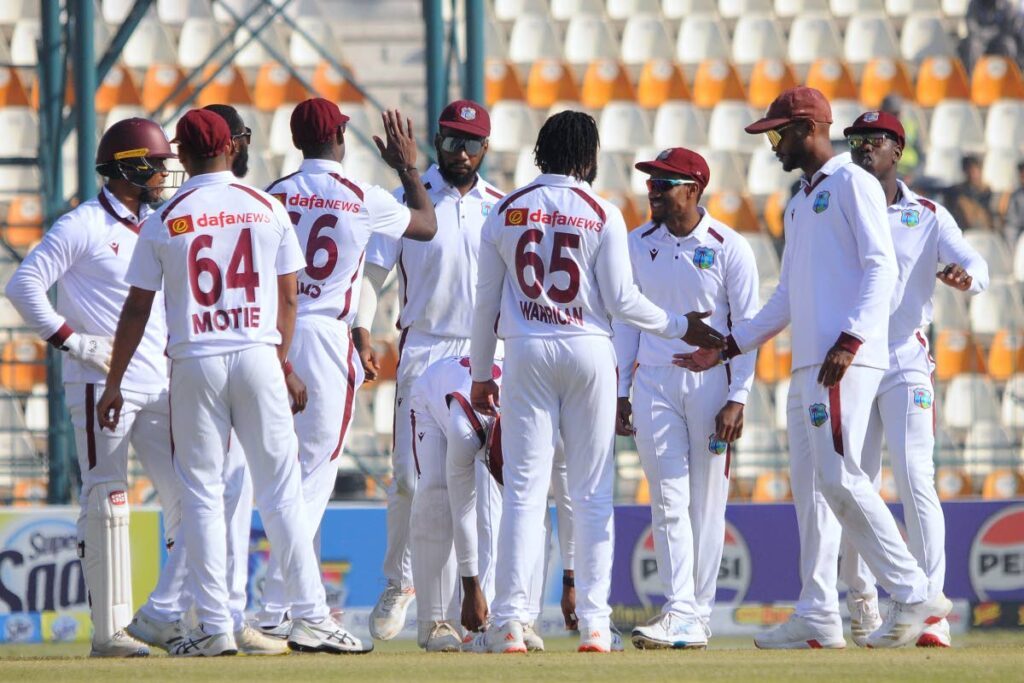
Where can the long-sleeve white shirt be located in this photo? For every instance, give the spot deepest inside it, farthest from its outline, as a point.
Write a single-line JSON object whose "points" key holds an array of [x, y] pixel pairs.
{"points": [[554, 260], [925, 236], [711, 269], [839, 271], [86, 254]]}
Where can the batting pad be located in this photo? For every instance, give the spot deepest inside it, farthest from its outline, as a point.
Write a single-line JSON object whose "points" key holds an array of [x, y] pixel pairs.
{"points": [[107, 559]]}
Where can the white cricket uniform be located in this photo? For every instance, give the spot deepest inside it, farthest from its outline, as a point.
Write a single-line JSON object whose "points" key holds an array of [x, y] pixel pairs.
{"points": [[838, 276], [334, 219], [554, 262], [86, 254], [437, 281], [925, 237], [217, 248], [674, 410]]}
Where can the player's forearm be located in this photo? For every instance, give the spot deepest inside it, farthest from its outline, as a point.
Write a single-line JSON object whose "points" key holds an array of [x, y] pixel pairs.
{"points": [[626, 340], [27, 293], [131, 327], [876, 291], [490, 277], [423, 220], [287, 307], [742, 376]]}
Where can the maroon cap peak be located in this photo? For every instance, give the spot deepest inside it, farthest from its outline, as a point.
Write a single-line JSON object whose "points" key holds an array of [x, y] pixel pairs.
{"points": [[679, 160], [466, 116], [878, 121], [791, 105]]}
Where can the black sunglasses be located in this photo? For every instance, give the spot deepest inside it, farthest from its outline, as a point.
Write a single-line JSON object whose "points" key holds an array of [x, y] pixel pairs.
{"points": [[247, 134], [453, 144]]}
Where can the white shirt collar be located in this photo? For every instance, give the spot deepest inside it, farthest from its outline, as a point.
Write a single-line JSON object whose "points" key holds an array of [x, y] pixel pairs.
{"points": [[321, 166], [218, 178], [123, 211], [560, 180], [829, 167]]}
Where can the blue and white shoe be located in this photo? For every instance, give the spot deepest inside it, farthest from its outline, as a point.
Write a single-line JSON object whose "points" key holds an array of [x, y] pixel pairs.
{"points": [[670, 631]]}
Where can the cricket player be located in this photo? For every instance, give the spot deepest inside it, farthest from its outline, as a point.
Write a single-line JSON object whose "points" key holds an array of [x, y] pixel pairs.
{"points": [[228, 255], [86, 254], [684, 260], [926, 239], [554, 263], [334, 218], [436, 280], [838, 277]]}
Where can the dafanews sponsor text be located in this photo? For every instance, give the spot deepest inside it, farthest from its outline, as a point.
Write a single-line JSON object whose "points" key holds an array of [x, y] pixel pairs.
{"points": [[519, 217], [317, 202]]}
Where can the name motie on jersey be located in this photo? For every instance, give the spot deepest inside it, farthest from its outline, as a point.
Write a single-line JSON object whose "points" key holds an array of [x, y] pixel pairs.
{"points": [[225, 319]]}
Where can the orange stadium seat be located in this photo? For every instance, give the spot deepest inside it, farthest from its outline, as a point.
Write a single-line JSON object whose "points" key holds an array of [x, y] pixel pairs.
{"points": [[28, 491], [13, 92], [716, 80], [774, 360], [952, 482], [550, 81], [769, 78], [502, 82], [159, 82], [956, 352], [22, 364], [733, 209], [141, 492], [24, 224], [1006, 355], [632, 214], [605, 81], [774, 206], [941, 78], [1002, 483], [118, 88], [276, 86], [230, 87], [888, 489], [643, 492], [331, 85], [771, 487], [881, 77], [660, 81], [996, 78], [69, 95], [833, 78]]}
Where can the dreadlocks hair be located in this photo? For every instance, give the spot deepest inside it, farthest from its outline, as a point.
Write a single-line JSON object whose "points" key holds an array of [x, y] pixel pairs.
{"points": [[567, 145]]}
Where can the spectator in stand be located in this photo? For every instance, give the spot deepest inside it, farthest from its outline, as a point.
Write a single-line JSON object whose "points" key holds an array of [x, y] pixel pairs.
{"points": [[1013, 222], [994, 27], [971, 201]]}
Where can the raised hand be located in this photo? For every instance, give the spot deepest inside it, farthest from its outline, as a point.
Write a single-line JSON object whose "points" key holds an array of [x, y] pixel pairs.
{"points": [[400, 151], [699, 360]]}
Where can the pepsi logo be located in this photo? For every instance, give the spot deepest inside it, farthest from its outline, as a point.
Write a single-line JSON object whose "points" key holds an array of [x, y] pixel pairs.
{"points": [[997, 556]]}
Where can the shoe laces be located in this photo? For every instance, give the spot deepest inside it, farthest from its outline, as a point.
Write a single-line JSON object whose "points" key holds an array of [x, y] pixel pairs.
{"points": [[391, 595], [893, 615]]}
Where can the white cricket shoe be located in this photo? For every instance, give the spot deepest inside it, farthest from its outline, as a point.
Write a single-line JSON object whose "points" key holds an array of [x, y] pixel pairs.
{"points": [[595, 640], [864, 617], [325, 635], [532, 639], [388, 615], [120, 645], [796, 633], [280, 631], [670, 631], [936, 635], [161, 634], [617, 645], [906, 621], [199, 643], [439, 636], [252, 641], [507, 639]]}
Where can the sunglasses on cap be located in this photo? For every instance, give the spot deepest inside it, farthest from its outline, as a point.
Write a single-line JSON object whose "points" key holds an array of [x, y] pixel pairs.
{"points": [[858, 140], [452, 144], [247, 134], [666, 184]]}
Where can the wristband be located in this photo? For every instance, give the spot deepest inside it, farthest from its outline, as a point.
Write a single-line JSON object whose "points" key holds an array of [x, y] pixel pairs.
{"points": [[568, 581], [732, 349], [60, 337], [287, 367], [847, 342]]}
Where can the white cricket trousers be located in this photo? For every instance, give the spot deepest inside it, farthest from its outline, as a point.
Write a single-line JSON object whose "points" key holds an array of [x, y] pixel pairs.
{"points": [[416, 352], [325, 359], [557, 386], [103, 459], [243, 390], [833, 495], [904, 413], [687, 470]]}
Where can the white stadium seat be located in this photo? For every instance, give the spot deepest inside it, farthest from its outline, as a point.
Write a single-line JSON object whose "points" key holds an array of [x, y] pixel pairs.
{"points": [[901, 8], [680, 9], [757, 37], [924, 35], [734, 9], [533, 37], [949, 310], [997, 308], [943, 165], [679, 124], [149, 44], [1012, 412], [638, 179], [26, 34], [969, 398], [869, 36], [766, 174], [611, 178], [793, 8], [564, 10], [13, 10], [728, 170], [725, 128], [781, 401], [508, 10], [1004, 125], [756, 452], [624, 127], [645, 37], [813, 36], [588, 38], [701, 37], [177, 12], [759, 409], [280, 141], [513, 126], [199, 36], [256, 52], [223, 10], [955, 8], [844, 113], [994, 249], [1000, 169], [19, 132], [767, 259], [115, 11], [959, 123], [849, 8], [526, 168], [988, 445], [301, 52], [622, 10]]}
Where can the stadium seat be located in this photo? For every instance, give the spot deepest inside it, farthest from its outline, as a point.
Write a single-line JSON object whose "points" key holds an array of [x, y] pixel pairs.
{"points": [[1018, 259], [119, 87], [941, 78], [509, 10], [228, 87], [261, 49], [117, 113], [955, 8], [12, 10], [853, 8], [1012, 412], [902, 8], [160, 82], [332, 85], [226, 11], [660, 81], [280, 141], [997, 308], [725, 127], [14, 442], [956, 353], [996, 78], [942, 165], [844, 113], [949, 309], [959, 123], [735, 210], [513, 126], [771, 487], [632, 214], [716, 81], [638, 179], [759, 409], [13, 92], [291, 160], [987, 446], [624, 127], [526, 170], [588, 38], [37, 411], [833, 78], [813, 37], [702, 37], [952, 482], [1006, 354], [679, 124], [495, 44], [868, 36], [994, 249], [533, 37], [781, 390], [765, 256], [199, 37], [623, 10], [564, 10], [680, 9], [884, 76], [275, 86], [24, 224], [301, 51], [970, 399], [757, 452], [1003, 484], [728, 170], [19, 132], [789, 9], [1004, 125], [177, 12], [766, 175], [645, 37], [550, 81], [774, 206], [735, 9], [501, 82], [769, 78], [384, 408], [756, 37], [149, 44], [611, 178], [604, 81], [924, 35], [22, 364]]}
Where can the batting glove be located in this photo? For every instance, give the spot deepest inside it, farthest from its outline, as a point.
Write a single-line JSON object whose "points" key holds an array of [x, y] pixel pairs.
{"points": [[90, 349]]}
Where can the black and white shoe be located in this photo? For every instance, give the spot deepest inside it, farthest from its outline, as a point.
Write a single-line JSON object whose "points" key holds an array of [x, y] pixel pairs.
{"points": [[325, 635], [199, 643]]}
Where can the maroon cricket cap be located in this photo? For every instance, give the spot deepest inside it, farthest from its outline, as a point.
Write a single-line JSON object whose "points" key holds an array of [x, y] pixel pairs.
{"points": [[796, 103], [466, 116], [880, 121], [202, 132], [315, 121], [682, 161]]}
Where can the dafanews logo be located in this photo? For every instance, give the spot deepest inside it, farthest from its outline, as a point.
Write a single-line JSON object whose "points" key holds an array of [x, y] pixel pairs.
{"points": [[516, 217], [180, 226], [519, 217], [997, 556]]}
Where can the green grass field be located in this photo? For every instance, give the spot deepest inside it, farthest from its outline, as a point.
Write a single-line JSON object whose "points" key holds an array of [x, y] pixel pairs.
{"points": [[995, 656]]}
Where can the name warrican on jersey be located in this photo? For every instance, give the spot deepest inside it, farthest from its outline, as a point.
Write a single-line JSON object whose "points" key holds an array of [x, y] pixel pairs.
{"points": [[334, 218], [216, 249]]}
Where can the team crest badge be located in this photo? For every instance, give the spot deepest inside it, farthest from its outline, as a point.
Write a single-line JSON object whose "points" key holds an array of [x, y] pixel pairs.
{"points": [[703, 258], [910, 218], [716, 446], [665, 155], [922, 398], [180, 226], [821, 201], [818, 414], [516, 217], [467, 113], [486, 207], [871, 117]]}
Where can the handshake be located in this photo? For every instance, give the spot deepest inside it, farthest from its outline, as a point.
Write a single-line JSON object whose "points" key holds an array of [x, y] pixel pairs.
{"points": [[709, 342]]}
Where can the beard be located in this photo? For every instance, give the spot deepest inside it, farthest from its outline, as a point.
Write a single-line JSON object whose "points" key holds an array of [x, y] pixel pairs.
{"points": [[240, 165], [455, 178]]}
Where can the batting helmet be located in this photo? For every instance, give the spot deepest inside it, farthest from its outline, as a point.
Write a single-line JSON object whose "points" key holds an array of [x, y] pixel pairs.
{"points": [[127, 147], [492, 455]]}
